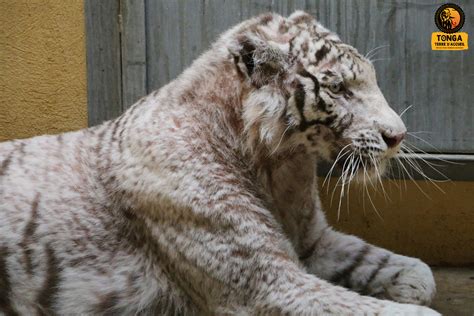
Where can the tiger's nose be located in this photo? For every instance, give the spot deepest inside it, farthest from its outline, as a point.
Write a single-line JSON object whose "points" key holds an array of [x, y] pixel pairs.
{"points": [[392, 140]]}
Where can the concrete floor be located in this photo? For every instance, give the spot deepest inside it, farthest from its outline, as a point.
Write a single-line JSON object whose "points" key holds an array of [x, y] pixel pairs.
{"points": [[455, 291]]}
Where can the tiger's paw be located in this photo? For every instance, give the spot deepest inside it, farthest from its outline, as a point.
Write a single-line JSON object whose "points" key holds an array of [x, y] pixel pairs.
{"points": [[395, 309], [406, 280]]}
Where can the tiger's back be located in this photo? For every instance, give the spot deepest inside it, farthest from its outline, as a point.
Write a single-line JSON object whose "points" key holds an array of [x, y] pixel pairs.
{"points": [[62, 242]]}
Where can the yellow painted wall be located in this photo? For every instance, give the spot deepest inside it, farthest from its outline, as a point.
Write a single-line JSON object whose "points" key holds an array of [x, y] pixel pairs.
{"points": [[43, 90], [42, 67], [438, 227]]}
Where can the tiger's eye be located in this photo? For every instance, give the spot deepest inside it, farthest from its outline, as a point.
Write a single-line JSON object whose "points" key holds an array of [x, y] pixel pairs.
{"points": [[336, 87]]}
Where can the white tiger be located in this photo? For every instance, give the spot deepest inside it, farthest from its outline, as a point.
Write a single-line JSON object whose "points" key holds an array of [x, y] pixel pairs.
{"points": [[202, 198]]}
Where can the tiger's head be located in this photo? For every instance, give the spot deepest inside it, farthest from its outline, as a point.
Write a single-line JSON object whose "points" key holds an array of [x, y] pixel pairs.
{"points": [[307, 89]]}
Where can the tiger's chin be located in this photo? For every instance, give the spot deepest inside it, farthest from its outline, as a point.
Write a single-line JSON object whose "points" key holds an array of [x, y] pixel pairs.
{"points": [[370, 172]]}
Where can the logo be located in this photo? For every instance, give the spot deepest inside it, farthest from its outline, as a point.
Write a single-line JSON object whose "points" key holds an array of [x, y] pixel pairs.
{"points": [[449, 18]]}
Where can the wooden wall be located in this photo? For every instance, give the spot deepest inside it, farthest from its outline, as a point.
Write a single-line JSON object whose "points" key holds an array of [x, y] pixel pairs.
{"points": [[143, 44]]}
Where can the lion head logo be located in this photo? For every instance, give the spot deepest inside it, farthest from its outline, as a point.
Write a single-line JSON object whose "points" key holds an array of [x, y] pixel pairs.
{"points": [[449, 18]]}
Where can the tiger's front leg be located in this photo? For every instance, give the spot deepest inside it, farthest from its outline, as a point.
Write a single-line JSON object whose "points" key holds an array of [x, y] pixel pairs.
{"points": [[370, 270], [229, 259]]}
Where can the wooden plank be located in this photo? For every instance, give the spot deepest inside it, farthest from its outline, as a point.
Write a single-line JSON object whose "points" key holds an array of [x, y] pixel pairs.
{"points": [[282, 6], [250, 8], [220, 16], [133, 45], [104, 83], [163, 38], [296, 5], [194, 35], [438, 84]]}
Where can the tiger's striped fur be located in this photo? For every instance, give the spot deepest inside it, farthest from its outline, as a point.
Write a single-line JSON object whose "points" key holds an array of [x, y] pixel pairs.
{"points": [[202, 197]]}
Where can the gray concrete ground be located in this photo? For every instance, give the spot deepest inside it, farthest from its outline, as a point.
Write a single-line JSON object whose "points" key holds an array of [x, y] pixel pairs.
{"points": [[455, 291]]}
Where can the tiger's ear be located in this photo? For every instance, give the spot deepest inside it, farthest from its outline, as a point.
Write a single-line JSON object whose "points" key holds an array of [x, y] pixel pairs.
{"points": [[259, 60], [301, 17]]}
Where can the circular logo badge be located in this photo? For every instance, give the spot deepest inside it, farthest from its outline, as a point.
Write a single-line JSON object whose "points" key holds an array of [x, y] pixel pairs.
{"points": [[449, 18]]}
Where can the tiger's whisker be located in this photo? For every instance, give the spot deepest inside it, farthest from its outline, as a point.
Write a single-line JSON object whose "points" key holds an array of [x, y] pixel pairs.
{"points": [[379, 59], [429, 164], [414, 181], [333, 165], [340, 177], [373, 159], [417, 168], [368, 194], [373, 51], [431, 155], [406, 109]]}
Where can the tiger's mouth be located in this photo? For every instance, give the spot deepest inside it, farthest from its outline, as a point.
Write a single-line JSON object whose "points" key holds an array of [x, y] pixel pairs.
{"points": [[353, 164]]}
